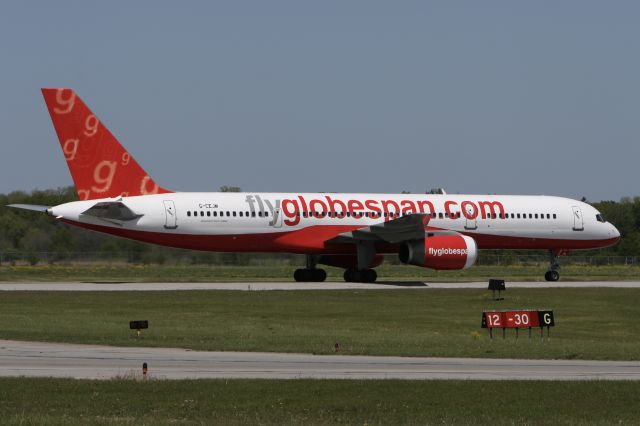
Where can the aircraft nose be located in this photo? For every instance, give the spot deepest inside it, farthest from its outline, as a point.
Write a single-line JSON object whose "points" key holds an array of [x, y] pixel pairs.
{"points": [[614, 232]]}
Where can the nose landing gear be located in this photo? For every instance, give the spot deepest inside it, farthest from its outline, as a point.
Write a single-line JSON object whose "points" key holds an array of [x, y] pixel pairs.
{"points": [[552, 274]]}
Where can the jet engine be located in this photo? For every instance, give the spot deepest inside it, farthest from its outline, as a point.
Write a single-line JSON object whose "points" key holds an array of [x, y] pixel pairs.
{"points": [[440, 252]]}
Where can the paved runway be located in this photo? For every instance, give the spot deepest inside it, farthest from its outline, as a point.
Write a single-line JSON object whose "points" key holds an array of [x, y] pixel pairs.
{"points": [[103, 362], [250, 286]]}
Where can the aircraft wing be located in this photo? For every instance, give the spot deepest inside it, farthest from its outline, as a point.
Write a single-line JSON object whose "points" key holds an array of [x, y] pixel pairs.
{"points": [[112, 211], [405, 228]]}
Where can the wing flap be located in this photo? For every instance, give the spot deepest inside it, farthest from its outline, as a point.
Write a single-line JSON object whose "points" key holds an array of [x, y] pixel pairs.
{"points": [[405, 228]]}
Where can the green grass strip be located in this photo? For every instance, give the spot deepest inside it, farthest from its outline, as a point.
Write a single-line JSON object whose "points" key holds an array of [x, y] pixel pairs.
{"points": [[591, 323], [309, 402]]}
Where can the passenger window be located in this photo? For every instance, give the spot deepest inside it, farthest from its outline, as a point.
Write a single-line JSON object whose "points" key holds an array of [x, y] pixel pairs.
{"points": [[215, 214], [188, 213], [228, 214], [440, 215], [234, 214], [536, 215], [208, 213], [253, 214], [554, 216], [518, 215], [260, 214], [548, 216], [240, 213], [530, 216]]}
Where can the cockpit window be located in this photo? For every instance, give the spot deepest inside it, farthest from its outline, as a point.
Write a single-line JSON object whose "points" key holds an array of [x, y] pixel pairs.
{"points": [[600, 218]]}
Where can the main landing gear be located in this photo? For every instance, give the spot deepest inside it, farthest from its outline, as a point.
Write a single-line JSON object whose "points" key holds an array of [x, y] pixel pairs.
{"points": [[310, 274], [360, 276], [363, 273], [552, 274]]}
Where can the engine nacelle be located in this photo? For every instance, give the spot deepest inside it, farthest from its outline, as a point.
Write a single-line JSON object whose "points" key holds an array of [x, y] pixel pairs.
{"points": [[440, 252]]}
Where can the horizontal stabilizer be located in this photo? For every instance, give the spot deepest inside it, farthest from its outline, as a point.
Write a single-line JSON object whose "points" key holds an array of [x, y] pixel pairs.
{"points": [[111, 211], [31, 207]]}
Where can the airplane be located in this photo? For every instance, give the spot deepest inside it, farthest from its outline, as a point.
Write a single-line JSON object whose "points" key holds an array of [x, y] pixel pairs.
{"points": [[350, 231]]}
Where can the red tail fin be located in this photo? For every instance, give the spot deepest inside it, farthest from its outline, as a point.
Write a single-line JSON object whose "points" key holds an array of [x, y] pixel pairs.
{"points": [[99, 165]]}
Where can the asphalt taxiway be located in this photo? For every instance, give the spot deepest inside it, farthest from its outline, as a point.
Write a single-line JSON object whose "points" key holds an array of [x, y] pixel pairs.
{"points": [[37, 359], [263, 286]]}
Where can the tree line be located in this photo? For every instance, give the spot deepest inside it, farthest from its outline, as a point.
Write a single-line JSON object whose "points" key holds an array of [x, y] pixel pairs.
{"points": [[24, 233]]}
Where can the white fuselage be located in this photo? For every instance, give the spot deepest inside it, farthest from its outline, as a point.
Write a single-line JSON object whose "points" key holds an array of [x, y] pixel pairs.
{"points": [[301, 223]]}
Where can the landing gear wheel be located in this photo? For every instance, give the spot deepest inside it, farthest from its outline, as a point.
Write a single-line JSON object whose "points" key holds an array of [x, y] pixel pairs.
{"points": [[319, 275], [369, 276], [552, 276], [349, 275]]}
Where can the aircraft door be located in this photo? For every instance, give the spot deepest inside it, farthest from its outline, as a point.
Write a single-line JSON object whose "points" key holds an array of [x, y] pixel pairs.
{"points": [[578, 222], [470, 223], [277, 217], [171, 221]]}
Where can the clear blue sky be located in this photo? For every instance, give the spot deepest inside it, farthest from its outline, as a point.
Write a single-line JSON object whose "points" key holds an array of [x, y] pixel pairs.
{"points": [[476, 97]]}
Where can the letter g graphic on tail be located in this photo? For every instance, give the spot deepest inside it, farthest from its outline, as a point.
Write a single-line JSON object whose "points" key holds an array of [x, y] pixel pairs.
{"points": [[99, 164]]}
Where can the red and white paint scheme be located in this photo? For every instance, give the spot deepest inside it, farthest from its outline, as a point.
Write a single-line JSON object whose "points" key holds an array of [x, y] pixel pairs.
{"points": [[352, 231]]}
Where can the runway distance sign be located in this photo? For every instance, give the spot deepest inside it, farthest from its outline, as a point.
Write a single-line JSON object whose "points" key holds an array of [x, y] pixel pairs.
{"points": [[138, 325], [518, 319]]}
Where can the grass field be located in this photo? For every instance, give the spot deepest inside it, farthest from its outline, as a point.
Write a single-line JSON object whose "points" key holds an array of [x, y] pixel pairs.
{"points": [[309, 402], [590, 323], [199, 273]]}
